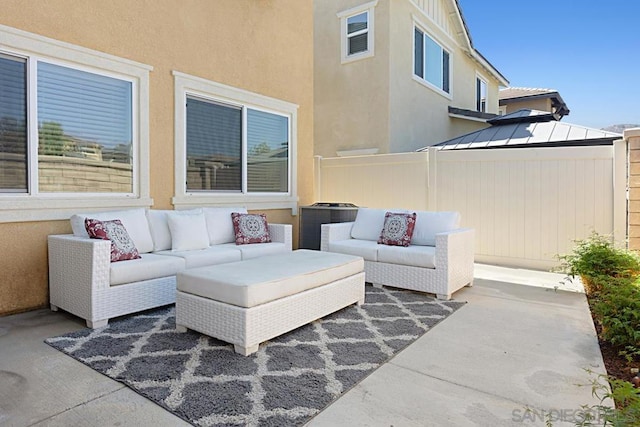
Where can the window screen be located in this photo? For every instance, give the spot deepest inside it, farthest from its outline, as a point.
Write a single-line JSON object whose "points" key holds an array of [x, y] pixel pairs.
{"points": [[13, 124], [214, 146], [84, 130], [267, 152]]}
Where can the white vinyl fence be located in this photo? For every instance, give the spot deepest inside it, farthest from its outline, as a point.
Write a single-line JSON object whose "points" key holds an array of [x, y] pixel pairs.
{"points": [[526, 205]]}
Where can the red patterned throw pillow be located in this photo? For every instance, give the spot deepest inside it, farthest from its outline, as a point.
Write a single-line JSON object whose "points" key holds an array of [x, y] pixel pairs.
{"points": [[250, 228], [122, 247], [397, 229]]}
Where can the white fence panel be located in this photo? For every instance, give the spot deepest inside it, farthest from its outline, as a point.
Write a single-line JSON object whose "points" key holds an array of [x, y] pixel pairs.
{"points": [[380, 181], [528, 205]]}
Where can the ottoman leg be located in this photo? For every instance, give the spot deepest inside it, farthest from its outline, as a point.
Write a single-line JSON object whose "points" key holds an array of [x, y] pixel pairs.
{"points": [[360, 301], [245, 351], [181, 329]]}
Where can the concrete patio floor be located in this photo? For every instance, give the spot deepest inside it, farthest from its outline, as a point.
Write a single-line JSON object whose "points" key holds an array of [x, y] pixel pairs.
{"points": [[518, 343]]}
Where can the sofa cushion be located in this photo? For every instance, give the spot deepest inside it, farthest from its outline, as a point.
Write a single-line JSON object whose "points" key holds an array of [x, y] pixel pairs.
{"points": [[254, 251], [210, 256], [188, 230], [364, 248], [149, 266], [368, 224], [417, 256], [134, 220], [250, 228], [397, 229], [428, 224], [220, 225], [159, 229], [122, 247], [266, 279]]}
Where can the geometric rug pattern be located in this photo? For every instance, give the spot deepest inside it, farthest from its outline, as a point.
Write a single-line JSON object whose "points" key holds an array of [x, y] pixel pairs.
{"points": [[288, 381]]}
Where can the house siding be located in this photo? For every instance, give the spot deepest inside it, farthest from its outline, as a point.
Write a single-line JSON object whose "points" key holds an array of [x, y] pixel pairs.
{"points": [[264, 47], [351, 99], [376, 102]]}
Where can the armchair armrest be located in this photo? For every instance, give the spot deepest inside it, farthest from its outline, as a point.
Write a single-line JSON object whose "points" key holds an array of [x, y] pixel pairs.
{"points": [[78, 267], [333, 232], [282, 233], [455, 255]]}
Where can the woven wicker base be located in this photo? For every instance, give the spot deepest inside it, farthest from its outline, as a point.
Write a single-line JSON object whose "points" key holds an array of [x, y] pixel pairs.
{"points": [[246, 328]]}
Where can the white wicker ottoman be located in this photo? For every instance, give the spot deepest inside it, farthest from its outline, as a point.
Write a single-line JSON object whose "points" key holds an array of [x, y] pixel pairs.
{"points": [[249, 302]]}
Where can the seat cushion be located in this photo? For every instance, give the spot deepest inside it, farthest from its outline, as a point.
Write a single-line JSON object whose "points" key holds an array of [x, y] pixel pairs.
{"points": [[428, 224], [134, 221], [258, 249], [417, 256], [150, 266], [260, 280], [364, 248], [203, 257]]}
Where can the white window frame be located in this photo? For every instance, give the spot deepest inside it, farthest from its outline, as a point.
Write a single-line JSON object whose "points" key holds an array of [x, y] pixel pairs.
{"points": [[187, 85], [36, 206], [344, 37], [420, 26], [486, 85]]}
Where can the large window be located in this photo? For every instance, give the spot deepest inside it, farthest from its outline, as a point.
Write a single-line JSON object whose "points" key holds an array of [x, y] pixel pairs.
{"points": [[431, 62], [84, 138], [233, 146], [357, 27], [74, 129]]}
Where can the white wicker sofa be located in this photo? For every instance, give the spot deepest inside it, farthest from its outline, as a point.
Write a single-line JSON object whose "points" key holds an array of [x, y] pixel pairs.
{"points": [[84, 281], [439, 259]]}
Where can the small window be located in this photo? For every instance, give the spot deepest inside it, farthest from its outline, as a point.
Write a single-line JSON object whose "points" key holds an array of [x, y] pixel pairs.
{"points": [[357, 32], [431, 61], [481, 95]]}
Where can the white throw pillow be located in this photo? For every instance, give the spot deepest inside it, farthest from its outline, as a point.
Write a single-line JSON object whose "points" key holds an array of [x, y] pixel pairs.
{"points": [[428, 224], [369, 223], [220, 225], [188, 231], [133, 220]]}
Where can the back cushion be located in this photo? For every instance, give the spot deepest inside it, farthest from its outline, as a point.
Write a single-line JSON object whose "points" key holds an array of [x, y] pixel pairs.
{"points": [[369, 223], [428, 224], [133, 220], [220, 225], [159, 229], [159, 226]]}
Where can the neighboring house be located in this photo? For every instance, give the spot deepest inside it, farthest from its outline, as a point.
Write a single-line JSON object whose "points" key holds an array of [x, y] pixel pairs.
{"points": [[120, 104], [529, 129], [395, 75], [512, 99]]}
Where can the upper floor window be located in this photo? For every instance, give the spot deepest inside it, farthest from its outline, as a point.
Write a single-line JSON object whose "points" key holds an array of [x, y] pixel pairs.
{"points": [[431, 61], [357, 27], [74, 129], [481, 95], [233, 146], [358, 33]]}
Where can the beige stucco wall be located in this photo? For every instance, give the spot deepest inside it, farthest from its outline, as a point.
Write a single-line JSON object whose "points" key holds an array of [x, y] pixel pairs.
{"points": [[419, 114], [542, 104], [351, 99], [261, 46], [375, 102]]}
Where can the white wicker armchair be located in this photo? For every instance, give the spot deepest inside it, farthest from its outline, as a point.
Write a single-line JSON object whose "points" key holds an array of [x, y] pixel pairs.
{"points": [[80, 278], [454, 253]]}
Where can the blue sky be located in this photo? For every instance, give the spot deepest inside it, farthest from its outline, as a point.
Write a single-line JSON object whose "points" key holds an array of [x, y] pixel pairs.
{"points": [[588, 50]]}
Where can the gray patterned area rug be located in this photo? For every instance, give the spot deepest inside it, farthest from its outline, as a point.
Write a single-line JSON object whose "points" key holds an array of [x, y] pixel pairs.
{"points": [[288, 381]]}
